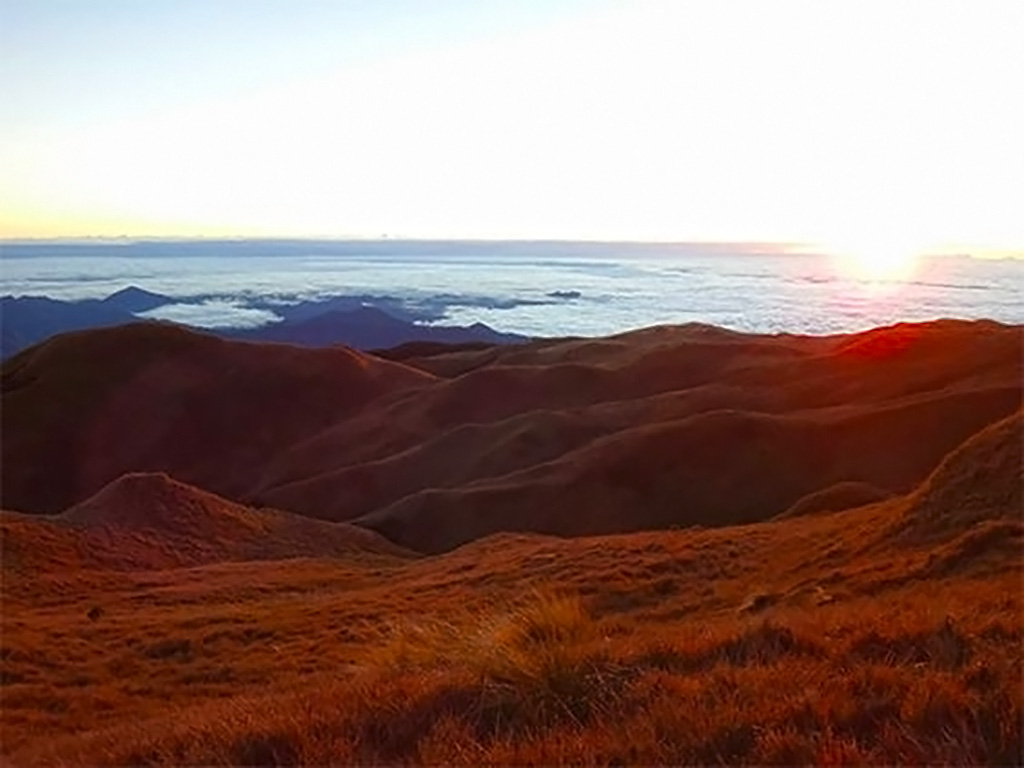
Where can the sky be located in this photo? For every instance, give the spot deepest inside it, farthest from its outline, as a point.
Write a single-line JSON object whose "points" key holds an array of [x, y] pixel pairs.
{"points": [[880, 126]]}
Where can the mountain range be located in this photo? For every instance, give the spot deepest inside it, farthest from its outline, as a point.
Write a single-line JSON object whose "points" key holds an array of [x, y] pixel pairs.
{"points": [[351, 321]]}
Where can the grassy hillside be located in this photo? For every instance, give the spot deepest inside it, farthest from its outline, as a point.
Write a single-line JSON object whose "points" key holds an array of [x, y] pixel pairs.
{"points": [[84, 408], [675, 546], [840, 637], [150, 521], [661, 427]]}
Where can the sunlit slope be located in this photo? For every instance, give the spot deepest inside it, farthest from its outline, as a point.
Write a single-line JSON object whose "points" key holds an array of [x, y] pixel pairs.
{"points": [[84, 408]]}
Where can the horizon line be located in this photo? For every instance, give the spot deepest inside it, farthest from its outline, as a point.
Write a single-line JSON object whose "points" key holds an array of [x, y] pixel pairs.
{"points": [[386, 238], [776, 247]]}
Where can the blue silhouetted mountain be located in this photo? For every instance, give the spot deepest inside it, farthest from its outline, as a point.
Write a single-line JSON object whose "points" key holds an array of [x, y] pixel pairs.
{"points": [[306, 310], [135, 299], [28, 320], [370, 328]]}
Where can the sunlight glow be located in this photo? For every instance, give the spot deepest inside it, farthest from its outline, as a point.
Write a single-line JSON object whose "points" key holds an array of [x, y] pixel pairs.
{"points": [[877, 260], [656, 120]]}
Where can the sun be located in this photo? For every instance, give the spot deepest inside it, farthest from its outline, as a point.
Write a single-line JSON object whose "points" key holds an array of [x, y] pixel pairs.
{"points": [[877, 260]]}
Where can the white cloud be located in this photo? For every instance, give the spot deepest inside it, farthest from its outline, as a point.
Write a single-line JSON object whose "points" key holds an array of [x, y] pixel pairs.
{"points": [[212, 314]]}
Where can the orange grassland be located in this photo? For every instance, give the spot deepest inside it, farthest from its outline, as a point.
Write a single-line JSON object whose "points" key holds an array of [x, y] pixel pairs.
{"points": [[855, 596], [822, 639]]}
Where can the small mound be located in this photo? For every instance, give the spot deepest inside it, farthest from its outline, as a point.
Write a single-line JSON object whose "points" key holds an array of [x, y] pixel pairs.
{"points": [[981, 480], [836, 498], [155, 501], [147, 521]]}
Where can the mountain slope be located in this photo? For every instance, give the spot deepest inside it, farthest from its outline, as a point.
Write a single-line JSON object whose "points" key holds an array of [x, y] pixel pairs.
{"points": [[149, 521], [712, 469], [982, 480], [27, 320], [885, 419], [82, 409], [135, 299], [668, 426]]}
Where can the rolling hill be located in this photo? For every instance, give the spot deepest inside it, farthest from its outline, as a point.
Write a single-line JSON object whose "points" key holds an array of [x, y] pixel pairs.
{"points": [[681, 545], [83, 409], [149, 521], [663, 427]]}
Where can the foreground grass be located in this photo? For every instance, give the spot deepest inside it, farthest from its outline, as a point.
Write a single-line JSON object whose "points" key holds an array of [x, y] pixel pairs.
{"points": [[813, 640], [892, 681]]}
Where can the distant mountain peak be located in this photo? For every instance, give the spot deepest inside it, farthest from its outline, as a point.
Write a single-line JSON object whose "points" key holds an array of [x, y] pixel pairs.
{"points": [[370, 327], [135, 299], [134, 290]]}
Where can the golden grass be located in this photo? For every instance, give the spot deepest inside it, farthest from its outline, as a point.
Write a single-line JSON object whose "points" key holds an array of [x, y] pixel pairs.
{"points": [[658, 648], [544, 683]]}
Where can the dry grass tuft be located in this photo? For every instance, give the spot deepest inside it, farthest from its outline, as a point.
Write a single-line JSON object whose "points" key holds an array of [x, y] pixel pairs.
{"points": [[944, 647], [531, 663]]}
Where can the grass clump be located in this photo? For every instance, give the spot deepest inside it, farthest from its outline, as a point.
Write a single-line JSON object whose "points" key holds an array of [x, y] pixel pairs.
{"points": [[533, 664], [487, 641]]}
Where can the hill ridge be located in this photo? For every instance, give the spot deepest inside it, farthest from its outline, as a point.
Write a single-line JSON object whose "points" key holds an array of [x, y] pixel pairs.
{"points": [[147, 521]]}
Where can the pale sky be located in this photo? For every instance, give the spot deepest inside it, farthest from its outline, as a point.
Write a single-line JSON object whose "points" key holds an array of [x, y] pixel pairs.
{"points": [[876, 124]]}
